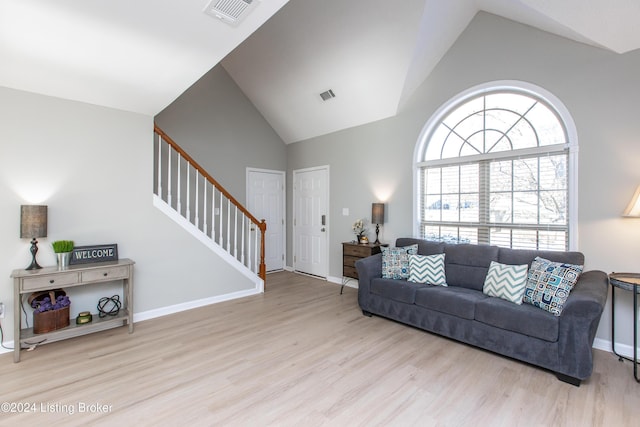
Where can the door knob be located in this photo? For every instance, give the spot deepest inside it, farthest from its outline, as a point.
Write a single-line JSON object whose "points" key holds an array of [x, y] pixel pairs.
{"points": [[322, 229]]}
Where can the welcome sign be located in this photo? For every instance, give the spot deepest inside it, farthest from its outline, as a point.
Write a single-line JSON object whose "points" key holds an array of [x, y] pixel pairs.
{"points": [[95, 253]]}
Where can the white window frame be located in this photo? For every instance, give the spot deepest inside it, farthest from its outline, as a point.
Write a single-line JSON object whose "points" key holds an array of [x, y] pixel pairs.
{"points": [[514, 86]]}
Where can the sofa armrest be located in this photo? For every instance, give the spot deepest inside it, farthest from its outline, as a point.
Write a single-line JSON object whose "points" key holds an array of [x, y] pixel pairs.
{"points": [[368, 269], [579, 322], [589, 295]]}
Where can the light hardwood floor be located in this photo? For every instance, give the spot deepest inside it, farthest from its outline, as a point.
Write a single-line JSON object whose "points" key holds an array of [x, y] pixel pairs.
{"points": [[299, 355]]}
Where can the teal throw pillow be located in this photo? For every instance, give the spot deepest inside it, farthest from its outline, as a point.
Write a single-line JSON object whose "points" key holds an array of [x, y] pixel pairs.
{"points": [[506, 281], [549, 284], [395, 261], [427, 269]]}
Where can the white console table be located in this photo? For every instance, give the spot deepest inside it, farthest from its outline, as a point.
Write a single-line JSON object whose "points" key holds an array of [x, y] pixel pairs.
{"points": [[29, 281]]}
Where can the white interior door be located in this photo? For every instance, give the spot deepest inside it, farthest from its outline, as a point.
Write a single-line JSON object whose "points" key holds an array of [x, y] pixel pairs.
{"points": [[266, 200], [311, 220]]}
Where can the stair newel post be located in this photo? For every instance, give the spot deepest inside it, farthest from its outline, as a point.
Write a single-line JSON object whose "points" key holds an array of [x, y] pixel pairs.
{"points": [[263, 267]]}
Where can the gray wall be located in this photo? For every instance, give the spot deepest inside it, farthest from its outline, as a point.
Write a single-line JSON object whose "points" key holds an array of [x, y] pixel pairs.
{"points": [[93, 167], [220, 128], [600, 90]]}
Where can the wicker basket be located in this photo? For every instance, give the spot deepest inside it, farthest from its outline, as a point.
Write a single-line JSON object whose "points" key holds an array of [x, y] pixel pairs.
{"points": [[51, 320]]}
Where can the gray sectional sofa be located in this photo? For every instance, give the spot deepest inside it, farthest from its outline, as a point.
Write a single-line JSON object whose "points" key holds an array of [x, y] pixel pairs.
{"points": [[562, 344]]}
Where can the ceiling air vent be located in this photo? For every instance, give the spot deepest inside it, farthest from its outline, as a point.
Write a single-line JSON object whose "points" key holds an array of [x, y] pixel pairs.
{"points": [[229, 11], [328, 94]]}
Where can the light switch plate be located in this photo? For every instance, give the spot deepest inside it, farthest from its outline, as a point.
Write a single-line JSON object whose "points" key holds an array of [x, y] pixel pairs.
{"points": [[345, 211]]}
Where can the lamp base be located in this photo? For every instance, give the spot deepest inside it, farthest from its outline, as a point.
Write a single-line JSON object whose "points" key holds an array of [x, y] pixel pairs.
{"points": [[34, 250], [377, 242]]}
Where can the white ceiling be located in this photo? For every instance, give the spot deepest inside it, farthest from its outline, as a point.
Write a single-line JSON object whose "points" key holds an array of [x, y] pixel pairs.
{"points": [[139, 55]]}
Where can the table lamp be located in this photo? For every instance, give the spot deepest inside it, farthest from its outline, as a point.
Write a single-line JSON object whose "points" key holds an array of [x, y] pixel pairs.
{"points": [[33, 224], [377, 217]]}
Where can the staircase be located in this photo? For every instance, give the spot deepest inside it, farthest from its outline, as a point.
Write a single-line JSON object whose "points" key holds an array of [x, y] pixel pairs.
{"points": [[186, 193]]}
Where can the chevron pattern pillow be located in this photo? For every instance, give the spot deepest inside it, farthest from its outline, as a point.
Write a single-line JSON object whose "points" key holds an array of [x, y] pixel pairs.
{"points": [[427, 269], [506, 281], [549, 284]]}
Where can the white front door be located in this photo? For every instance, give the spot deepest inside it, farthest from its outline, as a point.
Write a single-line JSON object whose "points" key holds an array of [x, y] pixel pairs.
{"points": [[265, 196], [311, 220]]}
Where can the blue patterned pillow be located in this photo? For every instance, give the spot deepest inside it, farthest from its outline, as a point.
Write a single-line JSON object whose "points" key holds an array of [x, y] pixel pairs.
{"points": [[395, 261], [427, 269], [506, 281], [549, 284]]}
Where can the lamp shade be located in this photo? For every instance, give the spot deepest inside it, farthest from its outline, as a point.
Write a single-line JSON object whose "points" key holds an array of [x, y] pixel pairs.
{"points": [[633, 209], [377, 213], [33, 221]]}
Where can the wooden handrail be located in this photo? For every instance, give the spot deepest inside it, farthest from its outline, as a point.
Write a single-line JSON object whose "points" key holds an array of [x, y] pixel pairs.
{"points": [[262, 225]]}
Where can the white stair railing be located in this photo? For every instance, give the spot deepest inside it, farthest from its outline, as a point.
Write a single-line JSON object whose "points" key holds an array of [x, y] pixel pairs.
{"points": [[186, 188]]}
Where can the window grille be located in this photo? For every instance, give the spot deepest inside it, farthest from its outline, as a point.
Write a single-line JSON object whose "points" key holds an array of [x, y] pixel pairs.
{"points": [[495, 170]]}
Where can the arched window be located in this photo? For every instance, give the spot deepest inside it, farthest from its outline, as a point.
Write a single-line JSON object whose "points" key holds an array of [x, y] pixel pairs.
{"points": [[495, 165]]}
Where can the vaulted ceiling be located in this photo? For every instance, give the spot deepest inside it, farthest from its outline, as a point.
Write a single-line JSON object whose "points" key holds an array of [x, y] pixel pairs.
{"points": [[140, 55]]}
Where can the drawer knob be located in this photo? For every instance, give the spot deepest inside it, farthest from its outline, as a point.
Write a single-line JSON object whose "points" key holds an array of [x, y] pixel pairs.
{"points": [[105, 274], [51, 281]]}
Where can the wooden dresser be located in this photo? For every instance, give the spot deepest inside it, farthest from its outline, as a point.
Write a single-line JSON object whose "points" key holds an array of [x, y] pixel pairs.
{"points": [[351, 252]]}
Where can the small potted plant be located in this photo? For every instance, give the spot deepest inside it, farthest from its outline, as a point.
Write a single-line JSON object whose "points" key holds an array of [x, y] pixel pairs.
{"points": [[63, 249]]}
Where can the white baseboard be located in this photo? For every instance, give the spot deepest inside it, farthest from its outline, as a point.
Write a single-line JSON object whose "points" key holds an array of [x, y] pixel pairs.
{"points": [[177, 308], [622, 349], [334, 279], [6, 350]]}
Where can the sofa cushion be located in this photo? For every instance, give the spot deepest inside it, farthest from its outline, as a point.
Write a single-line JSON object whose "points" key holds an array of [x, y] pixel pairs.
{"points": [[523, 319], [427, 269], [425, 247], [457, 301], [506, 281], [466, 265], [397, 290], [526, 256], [395, 261], [549, 284]]}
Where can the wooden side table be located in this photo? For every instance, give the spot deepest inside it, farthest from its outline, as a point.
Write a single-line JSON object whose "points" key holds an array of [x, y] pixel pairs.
{"points": [[352, 252], [627, 282]]}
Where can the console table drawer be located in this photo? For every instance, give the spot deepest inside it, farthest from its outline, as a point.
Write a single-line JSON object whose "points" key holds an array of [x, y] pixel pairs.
{"points": [[349, 272], [350, 261], [104, 274], [49, 282], [357, 251]]}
